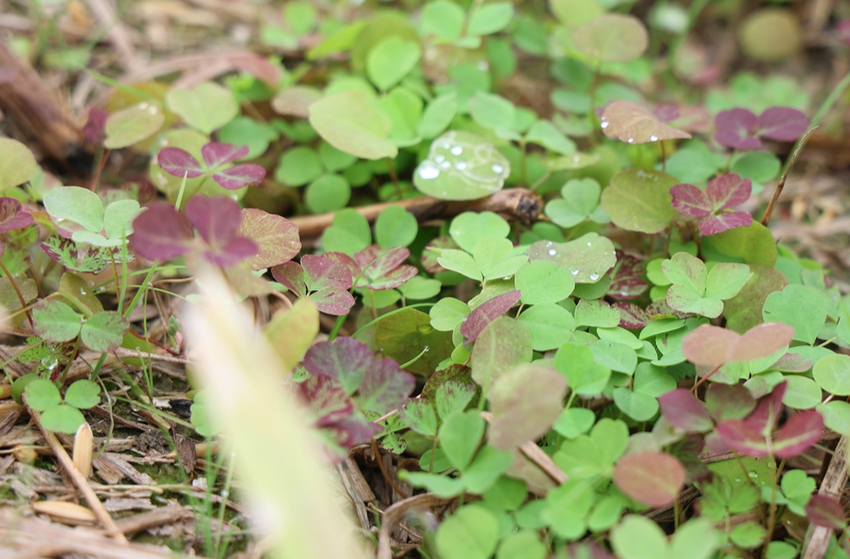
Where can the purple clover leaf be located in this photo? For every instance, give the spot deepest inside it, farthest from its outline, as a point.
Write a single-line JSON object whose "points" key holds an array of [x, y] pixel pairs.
{"points": [[375, 268], [626, 282], [752, 435], [380, 384], [218, 220], [485, 313], [12, 215], [161, 232], [334, 412], [217, 163], [324, 280], [741, 129], [383, 269], [721, 193]]}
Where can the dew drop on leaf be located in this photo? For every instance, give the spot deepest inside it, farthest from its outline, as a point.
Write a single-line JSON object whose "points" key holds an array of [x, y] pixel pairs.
{"points": [[594, 276], [631, 140], [460, 165], [456, 150], [604, 124], [497, 168], [653, 138], [553, 252], [445, 165], [574, 272], [428, 172]]}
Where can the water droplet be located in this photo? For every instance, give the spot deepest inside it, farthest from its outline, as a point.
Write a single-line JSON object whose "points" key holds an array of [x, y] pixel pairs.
{"points": [[456, 150], [427, 349], [506, 278], [446, 145], [753, 473], [549, 243], [737, 479], [574, 272], [631, 140], [653, 138], [445, 165], [497, 168], [624, 292], [49, 362], [83, 292], [594, 276], [440, 158], [589, 243], [604, 124], [225, 493], [460, 165], [428, 172], [553, 252]]}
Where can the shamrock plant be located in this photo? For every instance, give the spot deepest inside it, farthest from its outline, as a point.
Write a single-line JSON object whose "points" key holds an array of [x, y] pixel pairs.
{"points": [[561, 316]]}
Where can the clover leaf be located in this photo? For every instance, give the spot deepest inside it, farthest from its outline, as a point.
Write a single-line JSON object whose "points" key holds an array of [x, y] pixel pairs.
{"points": [[741, 129], [721, 193], [217, 164]]}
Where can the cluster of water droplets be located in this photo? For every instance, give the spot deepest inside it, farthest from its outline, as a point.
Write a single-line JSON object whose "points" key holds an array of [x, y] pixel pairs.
{"points": [[605, 124], [462, 159]]}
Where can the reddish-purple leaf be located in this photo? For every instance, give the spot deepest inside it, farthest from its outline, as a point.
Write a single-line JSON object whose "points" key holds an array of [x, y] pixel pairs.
{"points": [[728, 401], [740, 436], [240, 176], [708, 345], [782, 124], [329, 280], [345, 360], [236, 250], [325, 273], [291, 275], [735, 129], [353, 430], [690, 201], [327, 399], [660, 309], [766, 414], [651, 478], [179, 162], [626, 282], [683, 410], [276, 237], [12, 216], [798, 434], [714, 224], [216, 154], [760, 341], [385, 387], [728, 191], [382, 269], [631, 316], [826, 511], [216, 219], [486, 313], [347, 262], [161, 232], [334, 302]]}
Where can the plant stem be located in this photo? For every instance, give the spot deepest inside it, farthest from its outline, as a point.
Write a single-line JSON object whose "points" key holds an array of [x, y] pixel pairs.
{"points": [[18, 293], [781, 184], [394, 178]]}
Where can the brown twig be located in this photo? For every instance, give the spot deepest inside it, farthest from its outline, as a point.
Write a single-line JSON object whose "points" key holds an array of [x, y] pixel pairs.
{"points": [[77, 478], [514, 203], [393, 515], [817, 538], [781, 184]]}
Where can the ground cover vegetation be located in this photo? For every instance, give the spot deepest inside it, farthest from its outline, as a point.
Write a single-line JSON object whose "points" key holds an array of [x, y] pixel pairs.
{"points": [[513, 259]]}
